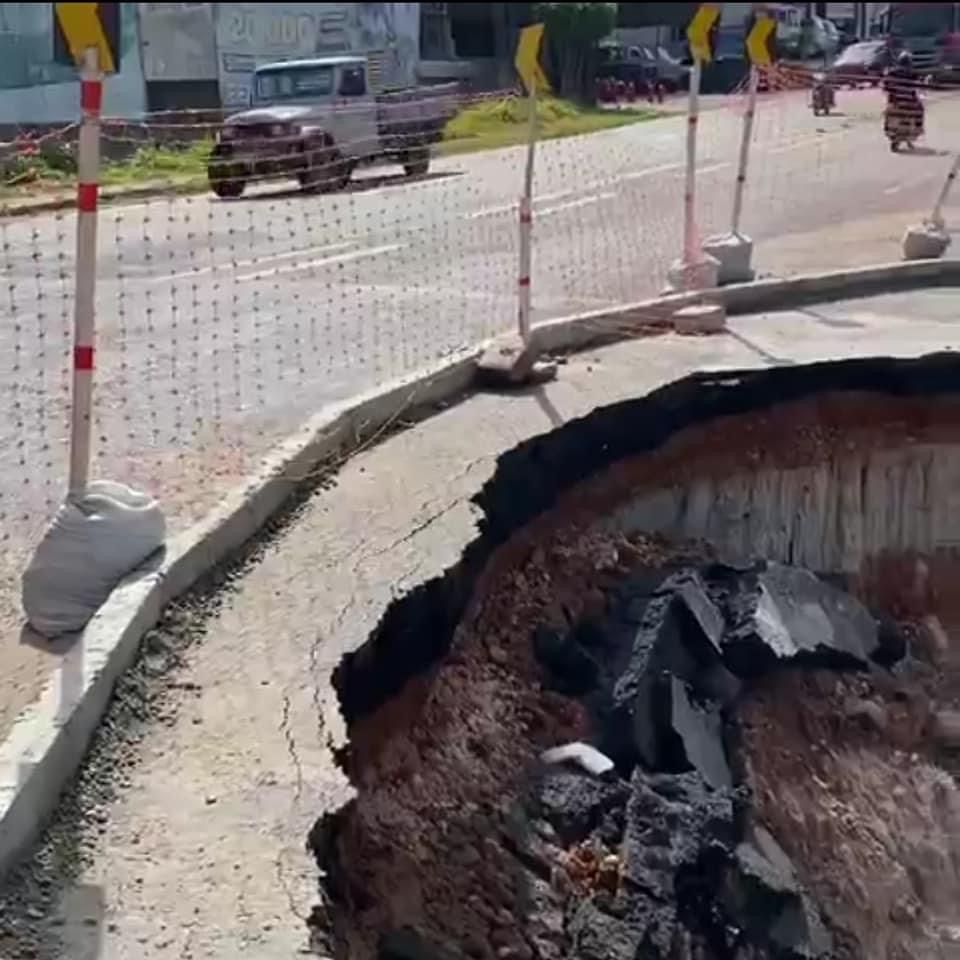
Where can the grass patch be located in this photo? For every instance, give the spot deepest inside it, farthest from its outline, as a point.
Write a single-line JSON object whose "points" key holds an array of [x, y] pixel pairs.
{"points": [[46, 171], [160, 163], [503, 123]]}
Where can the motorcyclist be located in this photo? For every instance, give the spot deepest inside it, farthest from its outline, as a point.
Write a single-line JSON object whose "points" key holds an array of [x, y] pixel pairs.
{"points": [[901, 83], [903, 100]]}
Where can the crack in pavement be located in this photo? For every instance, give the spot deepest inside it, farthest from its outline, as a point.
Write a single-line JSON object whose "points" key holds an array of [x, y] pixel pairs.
{"points": [[290, 741], [286, 887]]}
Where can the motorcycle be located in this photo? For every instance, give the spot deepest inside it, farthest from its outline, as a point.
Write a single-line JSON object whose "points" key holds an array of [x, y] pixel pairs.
{"points": [[903, 122], [823, 98]]}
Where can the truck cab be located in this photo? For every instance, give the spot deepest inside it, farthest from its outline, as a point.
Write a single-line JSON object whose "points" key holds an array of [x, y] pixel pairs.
{"points": [[331, 95]]}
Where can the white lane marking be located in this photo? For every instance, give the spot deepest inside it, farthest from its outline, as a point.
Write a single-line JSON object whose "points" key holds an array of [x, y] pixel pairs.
{"points": [[675, 168], [320, 262], [254, 261], [582, 202], [800, 142], [508, 207], [593, 198], [652, 171], [490, 211]]}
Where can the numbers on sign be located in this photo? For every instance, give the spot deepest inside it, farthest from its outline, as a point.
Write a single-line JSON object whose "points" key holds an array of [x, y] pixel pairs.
{"points": [[241, 27], [290, 33], [306, 29]]}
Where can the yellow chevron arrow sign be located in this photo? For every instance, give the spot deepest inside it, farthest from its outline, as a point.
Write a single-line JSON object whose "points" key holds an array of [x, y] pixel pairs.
{"points": [[701, 32], [80, 26], [762, 41], [527, 60]]}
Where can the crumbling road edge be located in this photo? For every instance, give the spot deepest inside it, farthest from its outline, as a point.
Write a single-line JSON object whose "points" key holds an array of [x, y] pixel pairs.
{"points": [[49, 738]]}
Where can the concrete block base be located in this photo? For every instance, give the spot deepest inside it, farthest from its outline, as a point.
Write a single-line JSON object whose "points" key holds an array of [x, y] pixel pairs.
{"points": [[925, 241], [700, 275], [700, 318], [734, 253], [508, 362]]}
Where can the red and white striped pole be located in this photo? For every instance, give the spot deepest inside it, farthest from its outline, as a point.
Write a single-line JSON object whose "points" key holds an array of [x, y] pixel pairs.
{"points": [[84, 305], [690, 243], [745, 137], [526, 225]]}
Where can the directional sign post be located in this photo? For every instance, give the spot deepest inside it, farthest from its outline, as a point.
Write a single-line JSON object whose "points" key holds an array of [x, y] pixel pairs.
{"points": [[87, 36], [527, 62], [701, 35], [761, 52]]}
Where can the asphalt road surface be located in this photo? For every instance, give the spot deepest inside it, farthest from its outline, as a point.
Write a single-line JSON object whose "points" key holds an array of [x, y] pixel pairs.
{"points": [[224, 324]]}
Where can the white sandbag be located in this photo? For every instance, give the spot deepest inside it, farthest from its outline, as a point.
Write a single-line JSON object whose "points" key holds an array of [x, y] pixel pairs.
{"points": [[89, 548]]}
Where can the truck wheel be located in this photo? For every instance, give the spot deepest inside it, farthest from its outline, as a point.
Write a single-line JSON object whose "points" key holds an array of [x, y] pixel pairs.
{"points": [[340, 174], [325, 171], [224, 182], [417, 162], [314, 170]]}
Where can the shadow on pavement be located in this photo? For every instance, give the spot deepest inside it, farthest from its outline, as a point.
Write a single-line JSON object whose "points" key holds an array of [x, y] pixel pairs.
{"points": [[839, 323], [355, 186], [923, 152]]}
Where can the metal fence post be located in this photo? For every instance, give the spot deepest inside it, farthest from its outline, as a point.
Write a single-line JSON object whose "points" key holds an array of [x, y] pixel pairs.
{"points": [[88, 186], [745, 137], [526, 224]]}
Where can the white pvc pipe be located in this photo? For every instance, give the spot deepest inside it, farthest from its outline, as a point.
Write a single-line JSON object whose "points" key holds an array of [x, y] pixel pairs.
{"points": [[689, 192], [526, 225], [936, 217], [88, 175], [745, 138]]}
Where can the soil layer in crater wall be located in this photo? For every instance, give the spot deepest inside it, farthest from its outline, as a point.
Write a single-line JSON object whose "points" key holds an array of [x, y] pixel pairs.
{"points": [[427, 845]]}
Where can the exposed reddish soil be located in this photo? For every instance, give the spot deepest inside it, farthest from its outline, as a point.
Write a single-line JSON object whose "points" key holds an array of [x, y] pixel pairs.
{"points": [[847, 770], [437, 768], [853, 774]]}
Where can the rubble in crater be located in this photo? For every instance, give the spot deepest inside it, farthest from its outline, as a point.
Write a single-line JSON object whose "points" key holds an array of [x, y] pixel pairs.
{"points": [[591, 773]]}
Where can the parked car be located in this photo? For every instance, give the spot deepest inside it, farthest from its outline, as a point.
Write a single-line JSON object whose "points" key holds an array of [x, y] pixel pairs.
{"points": [[632, 64], [826, 37], [672, 73], [861, 63], [316, 120], [643, 66]]}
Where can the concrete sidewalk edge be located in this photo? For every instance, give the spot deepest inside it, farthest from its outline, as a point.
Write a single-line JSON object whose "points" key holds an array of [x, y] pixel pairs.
{"points": [[155, 189], [49, 738]]}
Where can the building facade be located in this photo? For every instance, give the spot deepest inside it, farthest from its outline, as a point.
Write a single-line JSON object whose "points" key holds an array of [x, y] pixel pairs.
{"points": [[178, 56]]}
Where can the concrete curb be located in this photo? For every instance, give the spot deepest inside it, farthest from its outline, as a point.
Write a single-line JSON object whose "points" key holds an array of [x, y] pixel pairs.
{"points": [[570, 334], [156, 190], [49, 738]]}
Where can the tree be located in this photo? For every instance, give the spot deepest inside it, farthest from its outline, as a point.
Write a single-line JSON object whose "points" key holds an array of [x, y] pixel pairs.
{"points": [[573, 31]]}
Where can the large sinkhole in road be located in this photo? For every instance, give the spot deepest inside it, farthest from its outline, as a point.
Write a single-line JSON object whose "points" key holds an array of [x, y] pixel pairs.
{"points": [[693, 692]]}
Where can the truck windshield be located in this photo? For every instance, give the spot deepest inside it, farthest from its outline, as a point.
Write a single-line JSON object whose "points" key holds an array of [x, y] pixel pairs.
{"points": [[294, 83], [920, 19]]}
